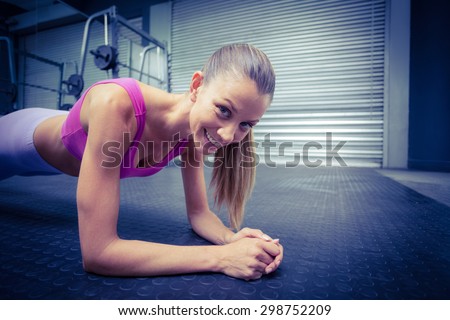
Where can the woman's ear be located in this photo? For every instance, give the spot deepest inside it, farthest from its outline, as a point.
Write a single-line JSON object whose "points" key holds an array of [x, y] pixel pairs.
{"points": [[196, 83]]}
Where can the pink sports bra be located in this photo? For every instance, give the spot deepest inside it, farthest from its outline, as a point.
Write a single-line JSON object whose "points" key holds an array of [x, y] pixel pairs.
{"points": [[74, 137]]}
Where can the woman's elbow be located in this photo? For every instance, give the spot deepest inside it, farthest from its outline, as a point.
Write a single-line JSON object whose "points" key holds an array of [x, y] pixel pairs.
{"points": [[97, 264], [93, 265], [98, 259]]}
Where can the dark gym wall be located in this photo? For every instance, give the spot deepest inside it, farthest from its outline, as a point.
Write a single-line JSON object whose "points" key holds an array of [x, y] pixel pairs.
{"points": [[429, 115], [4, 66], [5, 104], [128, 9]]}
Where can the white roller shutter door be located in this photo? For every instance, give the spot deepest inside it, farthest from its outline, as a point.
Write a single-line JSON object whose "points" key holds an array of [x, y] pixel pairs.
{"points": [[329, 61]]}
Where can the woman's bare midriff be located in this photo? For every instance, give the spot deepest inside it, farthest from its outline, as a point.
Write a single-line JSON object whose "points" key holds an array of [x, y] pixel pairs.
{"points": [[47, 139]]}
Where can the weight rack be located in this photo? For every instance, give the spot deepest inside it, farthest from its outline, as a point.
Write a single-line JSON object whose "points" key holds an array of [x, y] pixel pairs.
{"points": [[106, 55], [105, 58]]}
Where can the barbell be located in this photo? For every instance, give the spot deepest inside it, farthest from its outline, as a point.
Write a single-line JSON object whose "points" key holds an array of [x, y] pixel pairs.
{"points": [[105, 57], [74, 84]]}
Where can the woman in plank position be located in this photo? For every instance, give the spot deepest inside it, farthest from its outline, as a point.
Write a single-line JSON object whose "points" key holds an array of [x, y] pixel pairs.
{"points": [[123, 128]]}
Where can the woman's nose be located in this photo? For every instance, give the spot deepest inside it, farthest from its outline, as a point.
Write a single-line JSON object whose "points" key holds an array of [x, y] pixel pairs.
{"points": [[227, 134]]}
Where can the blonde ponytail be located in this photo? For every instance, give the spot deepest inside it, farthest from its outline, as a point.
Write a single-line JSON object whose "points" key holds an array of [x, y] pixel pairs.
{"points": [[233, 177]]}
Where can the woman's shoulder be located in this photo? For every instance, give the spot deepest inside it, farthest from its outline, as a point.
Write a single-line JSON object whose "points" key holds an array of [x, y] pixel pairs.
{"points": [[108, 101], [108, 94]]}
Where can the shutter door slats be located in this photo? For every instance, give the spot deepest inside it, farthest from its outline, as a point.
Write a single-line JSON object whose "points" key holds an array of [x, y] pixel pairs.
{"points": [[329, 61]]}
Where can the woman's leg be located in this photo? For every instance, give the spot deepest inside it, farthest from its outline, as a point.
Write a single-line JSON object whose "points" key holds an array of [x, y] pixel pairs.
{"points": [[18, 155]]}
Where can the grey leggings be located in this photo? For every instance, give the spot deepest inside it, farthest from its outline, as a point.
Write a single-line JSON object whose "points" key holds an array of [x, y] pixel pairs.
{"points": [[18, 155]]}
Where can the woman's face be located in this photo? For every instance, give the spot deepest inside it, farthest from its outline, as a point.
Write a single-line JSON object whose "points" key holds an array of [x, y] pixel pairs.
{"points": [[224, 110]]}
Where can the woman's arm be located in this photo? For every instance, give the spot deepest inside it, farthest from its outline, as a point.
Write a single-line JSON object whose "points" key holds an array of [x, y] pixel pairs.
{"points": [[203, 221], [206, 224], [98, 194]]}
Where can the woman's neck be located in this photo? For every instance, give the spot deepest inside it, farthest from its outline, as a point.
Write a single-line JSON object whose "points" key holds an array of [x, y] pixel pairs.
{"points": [[179, 117], [169, 120]]}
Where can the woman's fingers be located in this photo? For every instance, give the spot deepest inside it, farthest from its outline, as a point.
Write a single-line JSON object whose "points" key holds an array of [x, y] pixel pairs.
{"points": [[273, 255], [271, 248], [250, 233], [276, 259], [253, 233], [280, 256], [266, 237], [265, 258]]}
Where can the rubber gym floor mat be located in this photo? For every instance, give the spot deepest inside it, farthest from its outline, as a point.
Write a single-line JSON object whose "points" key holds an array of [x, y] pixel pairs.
{"points": [[348, 233]]}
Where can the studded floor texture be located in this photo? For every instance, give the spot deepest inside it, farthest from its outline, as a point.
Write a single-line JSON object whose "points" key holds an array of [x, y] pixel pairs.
{"points": [[348, 233]]}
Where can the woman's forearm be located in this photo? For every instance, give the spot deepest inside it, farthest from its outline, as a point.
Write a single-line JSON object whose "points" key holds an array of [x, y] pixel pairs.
{"points": [[208, 226], [140, 258], [246, 258]]}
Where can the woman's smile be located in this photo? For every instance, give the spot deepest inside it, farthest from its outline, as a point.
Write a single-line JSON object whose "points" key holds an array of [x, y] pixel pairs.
{"points": [[214, 142]]}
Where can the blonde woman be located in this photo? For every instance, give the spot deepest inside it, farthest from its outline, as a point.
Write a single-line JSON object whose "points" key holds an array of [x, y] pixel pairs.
{"points": [[123, 128]]}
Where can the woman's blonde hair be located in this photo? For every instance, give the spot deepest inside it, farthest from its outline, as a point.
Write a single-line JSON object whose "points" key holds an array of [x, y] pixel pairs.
{"points": [[234, 170]]}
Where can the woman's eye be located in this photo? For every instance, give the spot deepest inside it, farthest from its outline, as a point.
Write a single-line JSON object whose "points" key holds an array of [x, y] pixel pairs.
{"points": [[246, 125], [225, 111]]}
